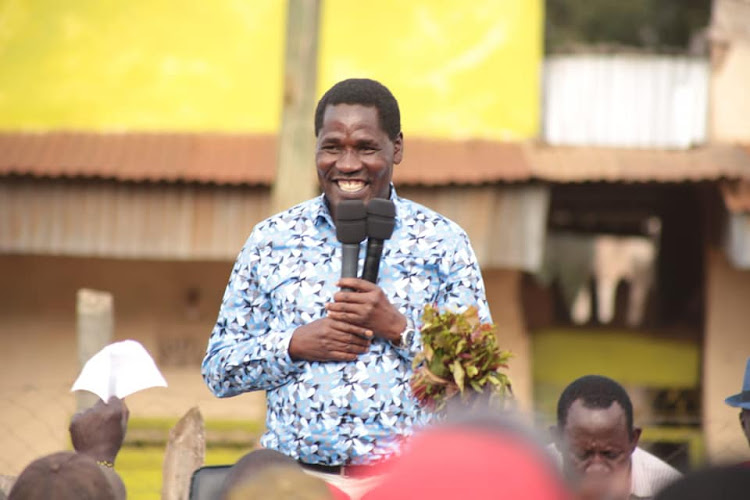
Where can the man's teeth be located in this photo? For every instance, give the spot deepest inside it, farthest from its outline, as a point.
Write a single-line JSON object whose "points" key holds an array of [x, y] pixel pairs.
{"points": [[351, 186]]}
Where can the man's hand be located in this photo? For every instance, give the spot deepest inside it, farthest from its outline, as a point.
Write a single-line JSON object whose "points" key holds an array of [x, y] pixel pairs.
{"points": [[99, 431], [368, 307], [327, 339]]}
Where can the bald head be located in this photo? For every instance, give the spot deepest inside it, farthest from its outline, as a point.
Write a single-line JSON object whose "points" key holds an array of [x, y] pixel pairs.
{"points": [[65, 475]]}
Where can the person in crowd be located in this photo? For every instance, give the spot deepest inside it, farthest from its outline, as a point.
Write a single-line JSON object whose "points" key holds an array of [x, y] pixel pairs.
{"points": [[597, 443], [65, 475], [258, 462], [477, 456], [281, 483], [334, 354], [713, 483], [97, 434], [741, 400]]}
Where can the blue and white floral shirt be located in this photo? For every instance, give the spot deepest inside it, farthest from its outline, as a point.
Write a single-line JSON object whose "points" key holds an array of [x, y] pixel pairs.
{"points": [[334, 413]]}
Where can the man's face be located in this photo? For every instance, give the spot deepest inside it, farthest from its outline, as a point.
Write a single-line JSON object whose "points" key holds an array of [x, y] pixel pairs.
{"points": [[596, 446], [354, 156], [745, 423]]}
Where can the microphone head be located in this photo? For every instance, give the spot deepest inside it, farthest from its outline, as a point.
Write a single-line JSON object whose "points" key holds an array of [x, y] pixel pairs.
{"points": [[381, 218], [351, 221]]}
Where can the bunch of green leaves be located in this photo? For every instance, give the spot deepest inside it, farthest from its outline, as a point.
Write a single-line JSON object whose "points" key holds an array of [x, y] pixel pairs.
{"points": [[460, 357]]}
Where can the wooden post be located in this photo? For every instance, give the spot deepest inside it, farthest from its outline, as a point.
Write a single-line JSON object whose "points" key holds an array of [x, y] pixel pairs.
{"points": [[296, 178], [95, 325], [186, 450]]}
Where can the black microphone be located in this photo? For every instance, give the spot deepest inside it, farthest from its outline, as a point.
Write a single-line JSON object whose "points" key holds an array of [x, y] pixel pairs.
{"points": [[351, 230], [381, 219]]}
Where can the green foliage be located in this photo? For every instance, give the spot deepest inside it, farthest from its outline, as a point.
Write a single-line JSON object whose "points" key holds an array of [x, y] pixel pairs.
{"points": [[460, 357], [650, 24]]}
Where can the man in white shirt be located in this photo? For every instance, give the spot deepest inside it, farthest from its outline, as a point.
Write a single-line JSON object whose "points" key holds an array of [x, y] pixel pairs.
{"points": [[598, 444]]}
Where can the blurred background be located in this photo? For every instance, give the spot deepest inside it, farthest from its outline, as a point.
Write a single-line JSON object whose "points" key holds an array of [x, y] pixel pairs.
{"points": [[597, 153]]}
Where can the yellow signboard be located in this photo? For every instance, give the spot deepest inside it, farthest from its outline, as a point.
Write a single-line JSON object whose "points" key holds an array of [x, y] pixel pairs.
{"points": [[459, 69]]}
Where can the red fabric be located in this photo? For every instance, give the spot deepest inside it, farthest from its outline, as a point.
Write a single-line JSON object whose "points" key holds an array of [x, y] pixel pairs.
{"points": [[336, 493], [470, 464]]}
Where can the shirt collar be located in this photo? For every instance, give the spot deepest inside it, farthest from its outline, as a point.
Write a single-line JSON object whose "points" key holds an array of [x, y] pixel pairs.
{"points": [[321, 213], [640, 485]]}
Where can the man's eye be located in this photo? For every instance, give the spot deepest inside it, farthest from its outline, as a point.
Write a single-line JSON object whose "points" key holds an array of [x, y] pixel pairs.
{"points": [[611, 455], [581, 455], [330, 148]]}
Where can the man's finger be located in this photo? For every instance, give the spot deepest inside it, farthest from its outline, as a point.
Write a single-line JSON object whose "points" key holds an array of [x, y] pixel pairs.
{"points": [[353, 340], [342, 298], [349, 328], [342, 356], [357, 284]]}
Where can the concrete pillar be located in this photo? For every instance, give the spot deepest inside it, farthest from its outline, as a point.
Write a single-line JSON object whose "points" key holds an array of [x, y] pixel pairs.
{"points": [[727, 347], [95, 327], [504, 297]]}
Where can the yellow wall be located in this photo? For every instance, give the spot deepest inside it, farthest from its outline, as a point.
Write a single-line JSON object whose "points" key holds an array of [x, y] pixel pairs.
{"points": [[459, 69], [141, 64]]}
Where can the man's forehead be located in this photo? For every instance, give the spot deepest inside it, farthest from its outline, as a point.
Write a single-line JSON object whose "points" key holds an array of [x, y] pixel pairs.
{"points": [[580, 415], [351, 111]]}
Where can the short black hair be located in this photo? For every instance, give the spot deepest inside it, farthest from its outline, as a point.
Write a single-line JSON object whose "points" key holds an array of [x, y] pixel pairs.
{"points": [[365, 92], [595, 391]]}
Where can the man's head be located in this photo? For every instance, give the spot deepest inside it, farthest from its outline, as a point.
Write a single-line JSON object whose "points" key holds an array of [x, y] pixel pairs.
{"points": [[62, 476], [358, 130], [741, 400], [253, 463], [476, 456], [595, 432]]}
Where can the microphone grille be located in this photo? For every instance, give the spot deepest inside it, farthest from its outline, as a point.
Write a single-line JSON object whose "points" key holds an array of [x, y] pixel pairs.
{"points": [[351, 221], [381, 218]]}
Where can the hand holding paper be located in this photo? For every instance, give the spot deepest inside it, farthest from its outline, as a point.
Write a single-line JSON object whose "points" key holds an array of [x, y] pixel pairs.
{"points": [[120, 369]]}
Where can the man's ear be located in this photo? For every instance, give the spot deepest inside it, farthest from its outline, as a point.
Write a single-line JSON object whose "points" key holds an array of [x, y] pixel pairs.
{"points": [[636, 437], [398, 148]]}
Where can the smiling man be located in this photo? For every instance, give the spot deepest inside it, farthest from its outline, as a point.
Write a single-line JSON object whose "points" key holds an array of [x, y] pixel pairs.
{"points": [[598, 444], [335, 365]]}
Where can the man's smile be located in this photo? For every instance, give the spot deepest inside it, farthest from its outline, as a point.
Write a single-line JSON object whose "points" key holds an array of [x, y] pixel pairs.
{"points": [[351, 185]]}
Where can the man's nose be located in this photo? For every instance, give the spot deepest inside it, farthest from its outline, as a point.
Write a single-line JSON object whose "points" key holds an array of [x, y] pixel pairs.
{"points": [[349, 161], [597, 465]]}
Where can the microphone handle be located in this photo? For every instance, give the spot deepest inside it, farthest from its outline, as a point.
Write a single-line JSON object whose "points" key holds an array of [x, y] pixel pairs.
{"points": [[349, 261], [372, 260]]}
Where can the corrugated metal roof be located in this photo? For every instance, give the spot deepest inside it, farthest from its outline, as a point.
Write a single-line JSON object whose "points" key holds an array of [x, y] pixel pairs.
{"points": [[434, 162], [233, 159], [625, 100], [127, 220], [580, 164], [245, 159], [220, 158], [189, 221]]}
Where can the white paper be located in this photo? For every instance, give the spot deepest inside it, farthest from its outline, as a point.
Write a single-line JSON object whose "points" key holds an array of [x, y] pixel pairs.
{"points": [[120, 369]]}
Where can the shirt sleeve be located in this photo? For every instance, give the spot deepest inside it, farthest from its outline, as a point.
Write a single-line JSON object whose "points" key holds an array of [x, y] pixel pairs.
{"points": [[463, 285], [244, 352]]}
